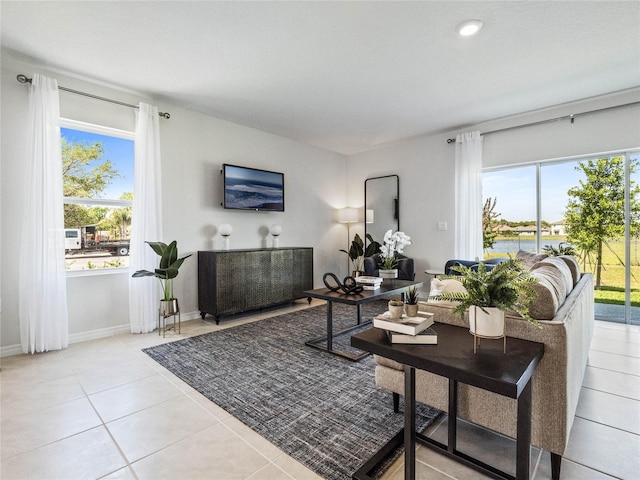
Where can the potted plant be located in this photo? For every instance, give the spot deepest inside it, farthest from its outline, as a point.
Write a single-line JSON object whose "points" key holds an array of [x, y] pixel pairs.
{"points": [[393, 243], [396, 308], [167, 271], [357, 252], [411, 302], [489, 293]]}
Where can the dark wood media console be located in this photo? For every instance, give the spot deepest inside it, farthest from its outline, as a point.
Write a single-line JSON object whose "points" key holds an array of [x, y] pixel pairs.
{"points": [[233, 281]]}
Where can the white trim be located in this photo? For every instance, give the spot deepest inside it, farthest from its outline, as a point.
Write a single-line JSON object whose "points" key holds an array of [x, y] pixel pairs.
{"points": [[96, 271], [99, 129]]}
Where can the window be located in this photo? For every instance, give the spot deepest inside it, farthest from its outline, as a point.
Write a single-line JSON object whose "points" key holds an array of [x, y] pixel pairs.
{"points": [[586, 206], [98, 171]]}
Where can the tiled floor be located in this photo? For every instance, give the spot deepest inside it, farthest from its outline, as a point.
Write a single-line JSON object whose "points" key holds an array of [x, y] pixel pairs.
{"points": [[103, 409]]}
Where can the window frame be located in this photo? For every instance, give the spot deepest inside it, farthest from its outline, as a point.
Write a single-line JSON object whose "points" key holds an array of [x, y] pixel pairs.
{"points": [[105, 202]]}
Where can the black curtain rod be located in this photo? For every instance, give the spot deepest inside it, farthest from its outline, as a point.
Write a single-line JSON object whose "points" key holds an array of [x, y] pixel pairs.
{"points": [[557, 119], [24, 79]]}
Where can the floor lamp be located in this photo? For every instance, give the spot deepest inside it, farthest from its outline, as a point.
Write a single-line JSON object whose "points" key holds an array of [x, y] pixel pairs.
{"points": [[348, 215]]}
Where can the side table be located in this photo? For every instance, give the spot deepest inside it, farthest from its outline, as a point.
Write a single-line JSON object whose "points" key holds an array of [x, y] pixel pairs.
{"points": [[453, 358]]}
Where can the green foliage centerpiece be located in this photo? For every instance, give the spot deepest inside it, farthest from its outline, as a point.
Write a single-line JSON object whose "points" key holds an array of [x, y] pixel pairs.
{"points": [[490, 293]]}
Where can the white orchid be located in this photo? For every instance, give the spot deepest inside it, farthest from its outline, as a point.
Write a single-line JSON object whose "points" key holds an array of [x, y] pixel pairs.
{"points": [[393, 243]]}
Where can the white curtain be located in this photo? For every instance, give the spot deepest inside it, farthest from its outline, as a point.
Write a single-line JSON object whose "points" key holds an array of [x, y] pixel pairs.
{"points": [[468, 196], [42, 284], [146, 222]]}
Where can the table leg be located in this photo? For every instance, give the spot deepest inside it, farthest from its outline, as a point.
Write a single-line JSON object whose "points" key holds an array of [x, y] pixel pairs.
{"points": [[453, 416], [523, 435], [359, 310], [329, 325], [409, 423]]}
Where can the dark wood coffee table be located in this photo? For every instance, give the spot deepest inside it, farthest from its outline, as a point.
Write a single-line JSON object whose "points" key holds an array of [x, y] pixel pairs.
{"points": [[490, 369], [388, 288]]}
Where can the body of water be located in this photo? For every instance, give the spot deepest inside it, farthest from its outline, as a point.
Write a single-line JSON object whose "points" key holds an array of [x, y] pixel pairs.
{"points": [[513, 245]]}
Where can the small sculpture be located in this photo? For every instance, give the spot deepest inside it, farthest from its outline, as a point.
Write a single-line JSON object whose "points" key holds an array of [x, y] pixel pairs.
{"points": [[348, 285]]}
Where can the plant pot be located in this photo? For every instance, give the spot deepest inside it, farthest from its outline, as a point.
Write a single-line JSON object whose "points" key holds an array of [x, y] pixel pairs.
{"points": [[393, 273], [411, 310], [486, 325], [357, 273], [169, 307], [395, 311]]}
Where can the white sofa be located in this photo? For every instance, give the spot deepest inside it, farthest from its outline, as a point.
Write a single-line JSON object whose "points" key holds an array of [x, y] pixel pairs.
{"points": [[566, 335]]}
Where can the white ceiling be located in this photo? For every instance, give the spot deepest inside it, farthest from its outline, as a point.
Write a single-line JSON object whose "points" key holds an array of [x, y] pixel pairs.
{"points": [[345, 76]]}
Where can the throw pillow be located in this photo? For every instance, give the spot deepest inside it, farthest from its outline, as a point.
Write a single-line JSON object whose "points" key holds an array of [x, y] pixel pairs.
{"points": [[562, 267], [446, 285], [529, 259], [574, 266], [551, 291]]}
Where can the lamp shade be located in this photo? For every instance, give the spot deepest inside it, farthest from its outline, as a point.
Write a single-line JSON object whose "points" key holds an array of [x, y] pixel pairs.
{"points": [[275, 230], [348, 215], [225, 229]]}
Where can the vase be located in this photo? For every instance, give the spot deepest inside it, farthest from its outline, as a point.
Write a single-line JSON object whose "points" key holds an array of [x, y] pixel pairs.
{"points": [[395, 310], [489, 324], [169, 307], [411, 309], [393, 273]]}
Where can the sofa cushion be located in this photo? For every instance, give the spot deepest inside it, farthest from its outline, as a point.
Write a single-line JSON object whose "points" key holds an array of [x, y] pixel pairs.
{"points": [[529, 259], [445, 285], [573, 265], [551, 291], [563, 269]]}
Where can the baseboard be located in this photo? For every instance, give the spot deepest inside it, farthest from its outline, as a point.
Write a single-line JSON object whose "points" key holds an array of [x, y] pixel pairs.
{"points": [[9, 350]]}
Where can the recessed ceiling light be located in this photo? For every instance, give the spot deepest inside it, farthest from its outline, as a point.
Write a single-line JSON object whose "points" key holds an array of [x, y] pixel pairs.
{"points": [[468, 28]]}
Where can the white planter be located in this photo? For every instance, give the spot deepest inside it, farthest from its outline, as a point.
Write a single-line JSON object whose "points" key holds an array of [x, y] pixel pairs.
{"points": [[486, 325], [393, 273], [395, 311]]}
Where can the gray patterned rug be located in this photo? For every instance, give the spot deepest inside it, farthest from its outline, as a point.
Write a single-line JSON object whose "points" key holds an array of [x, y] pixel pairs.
{"points": [[321, 409]]}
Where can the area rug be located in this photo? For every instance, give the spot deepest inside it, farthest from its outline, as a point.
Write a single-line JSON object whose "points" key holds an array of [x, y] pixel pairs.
{"points": [[323, 410]]}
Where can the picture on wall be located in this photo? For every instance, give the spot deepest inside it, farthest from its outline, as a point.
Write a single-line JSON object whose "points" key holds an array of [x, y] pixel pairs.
{"points": [[253, 189]]}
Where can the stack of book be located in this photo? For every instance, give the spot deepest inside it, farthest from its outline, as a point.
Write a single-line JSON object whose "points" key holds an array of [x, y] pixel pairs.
{"points": [[369, 283], [415, 330]]}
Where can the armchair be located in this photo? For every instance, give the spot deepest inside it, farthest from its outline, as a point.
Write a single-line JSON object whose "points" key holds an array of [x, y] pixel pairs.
{"points": [[405, 266], [489, 264]]}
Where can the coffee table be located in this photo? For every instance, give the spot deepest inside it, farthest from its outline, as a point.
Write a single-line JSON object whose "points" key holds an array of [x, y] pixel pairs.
{"points": [[453, 358], [388, 288]]}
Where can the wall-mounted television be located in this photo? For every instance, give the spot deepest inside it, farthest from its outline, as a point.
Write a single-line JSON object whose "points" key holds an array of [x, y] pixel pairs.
{"points": [[252, 189]]}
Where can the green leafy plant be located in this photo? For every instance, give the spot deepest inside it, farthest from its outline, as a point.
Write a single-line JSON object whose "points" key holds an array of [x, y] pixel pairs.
{"points": [[412, 295], [169, 266], [506, 286], [357, 252], [563, 248]]}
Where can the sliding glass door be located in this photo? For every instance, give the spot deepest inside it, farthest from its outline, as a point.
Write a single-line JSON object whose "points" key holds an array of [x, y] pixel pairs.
{"points": [[587, 207]]}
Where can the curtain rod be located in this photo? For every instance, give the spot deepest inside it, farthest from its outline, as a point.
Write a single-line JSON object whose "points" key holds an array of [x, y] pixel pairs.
{"points": [[557, 119], [24, 79]]}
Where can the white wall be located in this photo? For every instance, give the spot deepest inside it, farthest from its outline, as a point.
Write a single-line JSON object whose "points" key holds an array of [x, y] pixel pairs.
{"points": [[194, 147], [425, 164]]}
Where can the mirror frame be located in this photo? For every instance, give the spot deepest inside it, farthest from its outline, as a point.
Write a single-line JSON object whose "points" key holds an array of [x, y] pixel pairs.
{"points": [[396, 212]]}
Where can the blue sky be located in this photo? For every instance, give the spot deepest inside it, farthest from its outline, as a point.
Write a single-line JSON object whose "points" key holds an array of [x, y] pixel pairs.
{"points": [[118, 150], [515, 190]]}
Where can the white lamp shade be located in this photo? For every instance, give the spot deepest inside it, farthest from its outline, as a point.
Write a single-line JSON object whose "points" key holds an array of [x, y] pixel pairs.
{"points": [[368, 215], [348, 215], [225, 229], [275, 230]]}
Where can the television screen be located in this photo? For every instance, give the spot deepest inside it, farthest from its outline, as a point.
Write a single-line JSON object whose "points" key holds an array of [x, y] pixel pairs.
{"points": [[252, 189]]}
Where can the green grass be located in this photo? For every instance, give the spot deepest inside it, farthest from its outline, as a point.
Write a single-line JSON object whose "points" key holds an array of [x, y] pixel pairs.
{"points": [[612, 282]]}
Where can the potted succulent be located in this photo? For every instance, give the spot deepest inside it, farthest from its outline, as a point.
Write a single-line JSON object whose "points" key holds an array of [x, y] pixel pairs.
{"points": [[393, 243], [396, 308], [167, 271], [411, 302], [489, 293]]}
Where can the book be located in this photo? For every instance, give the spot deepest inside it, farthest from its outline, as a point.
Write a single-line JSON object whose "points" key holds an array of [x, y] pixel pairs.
{"points": [[370, 287], [426, 337], [406, 325], [369, 280]]}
